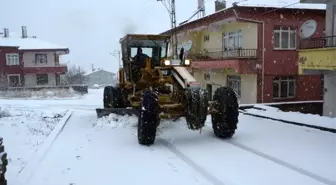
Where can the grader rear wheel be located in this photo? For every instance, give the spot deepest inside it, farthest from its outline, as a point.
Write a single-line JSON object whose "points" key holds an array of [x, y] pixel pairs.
{"points": [[224, 122]]}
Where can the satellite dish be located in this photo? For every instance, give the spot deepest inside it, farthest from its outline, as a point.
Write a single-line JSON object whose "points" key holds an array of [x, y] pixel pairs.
{"points": [[188, 45], [308, 29]]}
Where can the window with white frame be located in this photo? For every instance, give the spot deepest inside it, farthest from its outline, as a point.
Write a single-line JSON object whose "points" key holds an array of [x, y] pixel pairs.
{"points": [[12, 59], [233, 40], [235, 83], [284, 37], [41, 58], [284, 87]]}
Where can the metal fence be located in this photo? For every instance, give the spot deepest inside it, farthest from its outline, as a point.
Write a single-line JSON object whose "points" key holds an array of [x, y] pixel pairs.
{"points": [[321, 42]]}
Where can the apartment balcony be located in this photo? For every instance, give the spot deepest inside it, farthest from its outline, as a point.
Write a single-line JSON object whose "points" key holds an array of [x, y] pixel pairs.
{"points": [[317, 55], [222, 55], [243, 61], [60, 69]]}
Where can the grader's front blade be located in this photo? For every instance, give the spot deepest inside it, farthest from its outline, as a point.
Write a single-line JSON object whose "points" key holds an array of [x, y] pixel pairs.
{"points": [[101, 112]]}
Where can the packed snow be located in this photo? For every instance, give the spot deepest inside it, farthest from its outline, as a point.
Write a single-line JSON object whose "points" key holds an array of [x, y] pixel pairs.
{"points": [[308, 119], [88, 150]]}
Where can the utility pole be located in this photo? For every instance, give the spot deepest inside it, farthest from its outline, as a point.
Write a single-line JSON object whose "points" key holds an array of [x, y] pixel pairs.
{"points": [[117, 55], [170, 6]]}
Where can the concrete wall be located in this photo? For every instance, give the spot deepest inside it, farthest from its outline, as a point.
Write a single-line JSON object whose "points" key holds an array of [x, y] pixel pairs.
{"points": [[30, 80], [29, 60], [329, 106], [218, 78]]}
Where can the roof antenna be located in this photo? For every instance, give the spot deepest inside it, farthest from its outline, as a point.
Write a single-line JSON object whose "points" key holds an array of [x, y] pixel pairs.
{"points": [[200, 12]]}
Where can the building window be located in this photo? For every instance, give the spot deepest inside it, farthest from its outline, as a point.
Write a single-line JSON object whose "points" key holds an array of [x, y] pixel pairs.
{"points": [[13, 80], [206, 76], [284, 87], [41, 58], [234, 82], [206, 38], [12, 59], [233, 40], [284, 37], [41, 79]]}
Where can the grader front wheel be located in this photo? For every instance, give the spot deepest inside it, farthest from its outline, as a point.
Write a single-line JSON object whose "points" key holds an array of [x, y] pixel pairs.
{"points": [[224, 121], [148, 118]]}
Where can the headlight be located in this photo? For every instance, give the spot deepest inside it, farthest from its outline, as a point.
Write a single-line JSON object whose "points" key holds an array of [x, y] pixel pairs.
{"points": [[167, 62], [187, 62]]}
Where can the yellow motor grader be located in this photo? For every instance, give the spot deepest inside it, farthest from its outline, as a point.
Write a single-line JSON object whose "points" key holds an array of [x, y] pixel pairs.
{"points": [[154, 86]]}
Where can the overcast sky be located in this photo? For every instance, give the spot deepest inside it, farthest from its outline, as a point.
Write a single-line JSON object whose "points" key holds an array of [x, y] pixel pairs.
{"points": [[91, 29]]}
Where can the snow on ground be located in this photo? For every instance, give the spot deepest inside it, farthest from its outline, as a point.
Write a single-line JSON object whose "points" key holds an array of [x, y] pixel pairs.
{"points": [[105, 151], [24, 131], [45, 94], [308, 119], [92, 99]]}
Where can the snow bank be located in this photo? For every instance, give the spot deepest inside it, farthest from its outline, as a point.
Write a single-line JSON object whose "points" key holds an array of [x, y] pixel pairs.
{"points": [[41, 94], [309, 119], [24, 130]]}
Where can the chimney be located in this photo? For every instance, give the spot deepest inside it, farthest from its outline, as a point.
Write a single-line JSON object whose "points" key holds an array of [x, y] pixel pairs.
{"points": [[6, 32], [220, 5], [92, 68], [24, 31]]}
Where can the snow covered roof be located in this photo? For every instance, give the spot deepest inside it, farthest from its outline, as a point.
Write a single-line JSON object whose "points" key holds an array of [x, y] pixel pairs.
{"points": [[283, 5], [28, 43], [98, 70]]}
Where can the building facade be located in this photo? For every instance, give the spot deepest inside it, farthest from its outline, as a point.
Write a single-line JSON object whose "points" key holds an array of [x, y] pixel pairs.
{"points": [[253, 50], [28, 61], [317, 55], [100, 77]]}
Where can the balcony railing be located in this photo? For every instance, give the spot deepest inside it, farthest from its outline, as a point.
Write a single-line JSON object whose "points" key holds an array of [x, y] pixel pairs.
{"points": [[321, 42], [227, 54]]}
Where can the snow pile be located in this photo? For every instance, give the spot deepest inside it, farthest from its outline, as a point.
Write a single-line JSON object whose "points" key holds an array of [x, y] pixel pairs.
{"points": [[309, 119], [24, 130], [41, 94], [117, 121]]}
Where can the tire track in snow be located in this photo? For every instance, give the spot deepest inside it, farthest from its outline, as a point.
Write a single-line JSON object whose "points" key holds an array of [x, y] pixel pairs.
{"points": [[214, 180], [282, 163], [278, 161]]}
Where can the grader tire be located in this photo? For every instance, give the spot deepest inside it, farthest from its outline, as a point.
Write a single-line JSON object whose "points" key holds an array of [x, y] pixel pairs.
{"points": [[196, 108], [224, 122], [112, 97], [148, 118]]}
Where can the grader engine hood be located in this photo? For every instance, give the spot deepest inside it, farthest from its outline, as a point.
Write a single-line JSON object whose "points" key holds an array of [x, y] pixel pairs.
{"points": [[185, 79]]}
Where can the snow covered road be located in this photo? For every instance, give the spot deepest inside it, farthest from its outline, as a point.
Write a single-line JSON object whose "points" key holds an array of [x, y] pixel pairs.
{"points": [[105, 151], [263, 152]]}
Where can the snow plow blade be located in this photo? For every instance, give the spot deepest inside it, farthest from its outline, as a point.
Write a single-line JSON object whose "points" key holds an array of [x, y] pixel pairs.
{"points": [[101, 112]]}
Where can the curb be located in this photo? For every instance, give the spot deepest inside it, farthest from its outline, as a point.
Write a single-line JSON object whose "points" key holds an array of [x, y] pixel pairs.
{"points": [[292, 122], [25, 174]]}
